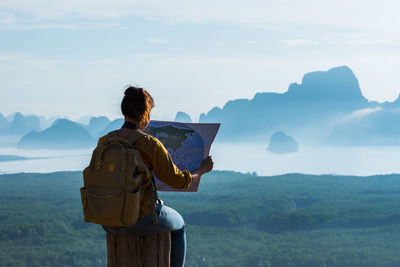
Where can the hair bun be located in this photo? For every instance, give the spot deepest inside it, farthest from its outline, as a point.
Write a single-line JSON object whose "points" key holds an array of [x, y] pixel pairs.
{"points": [[137, 103], [133, 91]]}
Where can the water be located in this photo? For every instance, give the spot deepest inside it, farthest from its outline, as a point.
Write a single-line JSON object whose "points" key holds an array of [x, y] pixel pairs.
{"points": [[240, 157], [45, 160], [310, 160]]}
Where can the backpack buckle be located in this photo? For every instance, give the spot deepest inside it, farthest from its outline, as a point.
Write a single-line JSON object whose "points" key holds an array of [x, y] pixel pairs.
{"points": [[98, 165], [123, 168]]}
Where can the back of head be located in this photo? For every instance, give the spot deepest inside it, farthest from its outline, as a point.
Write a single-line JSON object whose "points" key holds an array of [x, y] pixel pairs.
{"points": [[137, 104]]}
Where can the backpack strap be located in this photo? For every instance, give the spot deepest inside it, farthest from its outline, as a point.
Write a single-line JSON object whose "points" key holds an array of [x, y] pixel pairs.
{"points": [[132, 139], [113, 134], [156, 199]]}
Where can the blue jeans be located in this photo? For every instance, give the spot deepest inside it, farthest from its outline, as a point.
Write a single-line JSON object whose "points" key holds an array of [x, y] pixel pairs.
{"points": [[169, 220]]}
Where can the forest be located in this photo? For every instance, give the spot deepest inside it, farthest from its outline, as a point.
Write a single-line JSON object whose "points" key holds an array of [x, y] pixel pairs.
{"points": [[235, 219]]}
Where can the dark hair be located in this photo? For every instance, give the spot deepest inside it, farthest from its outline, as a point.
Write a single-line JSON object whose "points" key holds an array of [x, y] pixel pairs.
{"points": [[137, 104]]}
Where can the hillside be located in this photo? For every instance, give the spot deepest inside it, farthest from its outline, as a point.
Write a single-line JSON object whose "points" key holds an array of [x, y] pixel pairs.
{"points": [[321, 96], [309, 110], [63, 134], [280, 142], [234, 220]]}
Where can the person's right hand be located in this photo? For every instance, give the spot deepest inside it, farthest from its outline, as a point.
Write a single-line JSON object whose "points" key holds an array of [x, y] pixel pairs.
{"points": [[207, 165]]}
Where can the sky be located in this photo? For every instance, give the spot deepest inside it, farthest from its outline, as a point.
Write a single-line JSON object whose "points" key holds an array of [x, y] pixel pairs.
{"points": [[74, 58]]}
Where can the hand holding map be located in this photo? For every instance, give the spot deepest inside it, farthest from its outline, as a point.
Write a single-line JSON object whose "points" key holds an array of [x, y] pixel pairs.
{"points": [[187, 143]]}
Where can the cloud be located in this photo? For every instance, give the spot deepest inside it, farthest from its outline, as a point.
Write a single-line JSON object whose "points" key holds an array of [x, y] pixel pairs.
{"points": [[153, 40], [364, 112], [7, 18], [104, 61], [368, 42], [298, 42], [42, 26], [353, 42], [378, 16]]}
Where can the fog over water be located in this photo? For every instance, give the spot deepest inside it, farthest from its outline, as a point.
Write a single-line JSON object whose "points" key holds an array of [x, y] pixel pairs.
{"points": [[242, 157], [310, 160]]}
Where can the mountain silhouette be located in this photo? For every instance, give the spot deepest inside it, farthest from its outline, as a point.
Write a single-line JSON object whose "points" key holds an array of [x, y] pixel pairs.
{"points": [[21, 125], [392, 105], [327, 107], [112, 126], [3, 122], [46, 122], [96, 125], [10, 117], [282, 143], [321, 96], [62, 134], [182, 117]]}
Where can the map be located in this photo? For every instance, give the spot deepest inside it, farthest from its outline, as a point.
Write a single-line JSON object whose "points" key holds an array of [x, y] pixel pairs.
{"points": [[187, 143]]}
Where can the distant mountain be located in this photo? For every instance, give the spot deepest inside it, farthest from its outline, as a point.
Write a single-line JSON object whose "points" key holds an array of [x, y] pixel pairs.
{"points": [[327, 107], [21, 125], [182, 117], [4, 123], [391, 105], [46, 122], [96, 125], [282, 143], [112, 126], [322, 96], [10, 117], [84, 119], [63, 134], [368, 127]]}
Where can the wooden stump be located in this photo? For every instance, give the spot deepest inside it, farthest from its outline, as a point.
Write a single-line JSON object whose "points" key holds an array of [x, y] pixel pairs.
{"points": [[139, 251]]}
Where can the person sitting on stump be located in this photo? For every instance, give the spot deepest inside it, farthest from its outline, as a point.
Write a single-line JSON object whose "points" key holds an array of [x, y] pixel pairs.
{"points": [[136, 107]]}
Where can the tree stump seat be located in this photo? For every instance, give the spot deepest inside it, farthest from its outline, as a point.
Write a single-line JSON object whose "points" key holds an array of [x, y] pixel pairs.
{"points": [[127, 250]]}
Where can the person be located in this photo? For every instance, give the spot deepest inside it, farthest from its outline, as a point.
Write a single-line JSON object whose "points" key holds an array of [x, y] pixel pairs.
{"points": [[136, 107]]}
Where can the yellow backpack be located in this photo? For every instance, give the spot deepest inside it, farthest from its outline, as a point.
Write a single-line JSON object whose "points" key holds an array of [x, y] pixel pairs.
{"points": [[112, 193]]}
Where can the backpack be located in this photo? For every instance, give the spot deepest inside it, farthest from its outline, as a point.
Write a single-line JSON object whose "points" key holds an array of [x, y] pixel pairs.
{"points": [[112, 193]]}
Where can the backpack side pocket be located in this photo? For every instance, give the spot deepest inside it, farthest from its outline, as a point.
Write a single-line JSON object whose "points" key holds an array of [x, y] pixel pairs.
{"points": [[132, 208], [105, 209]]}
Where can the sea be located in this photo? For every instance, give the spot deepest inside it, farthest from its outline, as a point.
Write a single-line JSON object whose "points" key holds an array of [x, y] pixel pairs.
{"points": [[242, 157]]}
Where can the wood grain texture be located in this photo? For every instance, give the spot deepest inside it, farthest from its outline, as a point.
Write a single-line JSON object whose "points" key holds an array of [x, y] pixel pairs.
{"points": [[139, 251]]}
